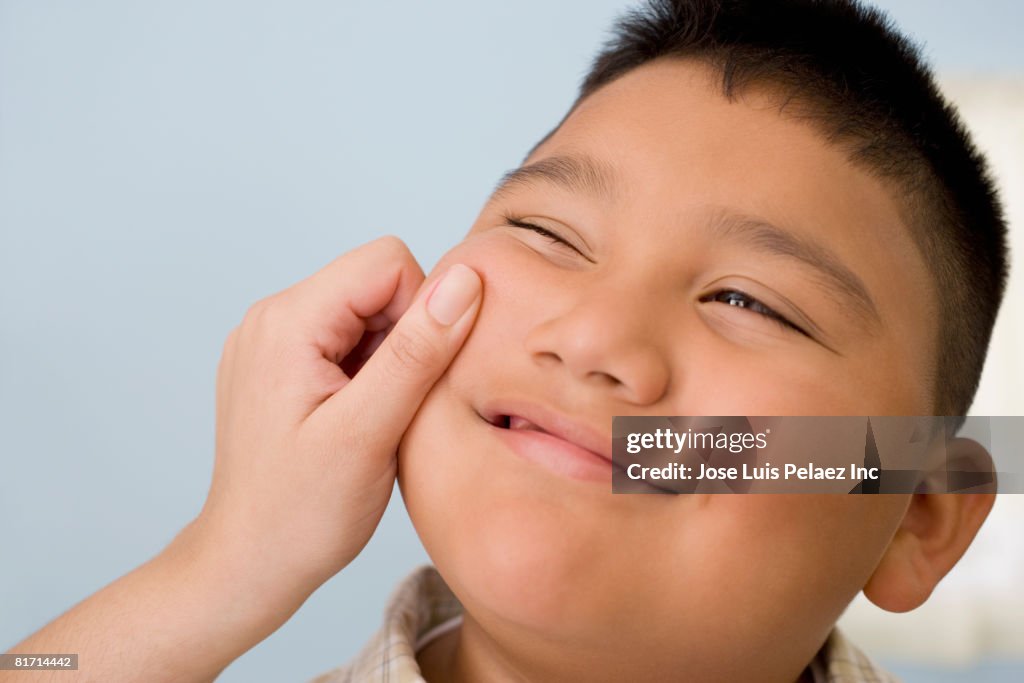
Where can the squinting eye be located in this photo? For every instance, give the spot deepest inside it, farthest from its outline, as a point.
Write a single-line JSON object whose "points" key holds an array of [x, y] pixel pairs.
{"points": [[554, 237], [739, 299]]}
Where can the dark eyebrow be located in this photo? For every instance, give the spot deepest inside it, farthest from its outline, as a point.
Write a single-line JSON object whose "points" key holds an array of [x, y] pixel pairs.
{"points": [[585, 175], [774, 240], [579, 174]]}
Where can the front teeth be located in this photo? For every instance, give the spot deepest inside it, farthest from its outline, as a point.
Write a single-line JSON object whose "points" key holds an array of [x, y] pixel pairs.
{"points": [[516, 422]]}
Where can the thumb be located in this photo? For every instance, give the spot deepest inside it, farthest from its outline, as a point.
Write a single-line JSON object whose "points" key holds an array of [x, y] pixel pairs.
{"points": [[387, 391]]}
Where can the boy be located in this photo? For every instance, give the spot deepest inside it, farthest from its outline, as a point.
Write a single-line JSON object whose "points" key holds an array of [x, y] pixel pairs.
{"points": [[753, 208]]}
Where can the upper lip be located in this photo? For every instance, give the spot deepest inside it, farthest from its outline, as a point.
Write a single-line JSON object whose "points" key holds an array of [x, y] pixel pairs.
{"points": [[554, 423]]}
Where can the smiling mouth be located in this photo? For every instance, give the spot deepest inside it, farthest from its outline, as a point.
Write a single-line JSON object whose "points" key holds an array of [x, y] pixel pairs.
{"points": [[548, 423], [561, 455], [557, 451], [514, 422], [517, 423]]}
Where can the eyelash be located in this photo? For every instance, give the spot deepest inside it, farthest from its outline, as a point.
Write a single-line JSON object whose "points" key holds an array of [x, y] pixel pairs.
{"points": [[751, 304], [728, 296], [554, 237]]}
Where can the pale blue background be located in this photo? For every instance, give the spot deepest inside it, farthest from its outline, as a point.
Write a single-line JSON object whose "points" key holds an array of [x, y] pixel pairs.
{"points": [[165, 164]]}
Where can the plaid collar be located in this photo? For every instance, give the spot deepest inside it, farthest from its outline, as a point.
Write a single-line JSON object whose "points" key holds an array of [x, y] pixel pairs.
{"points": [[423, 601]]}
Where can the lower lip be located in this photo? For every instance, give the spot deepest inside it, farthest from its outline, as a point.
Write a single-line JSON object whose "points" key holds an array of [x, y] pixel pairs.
{"points": [[558, 455]]}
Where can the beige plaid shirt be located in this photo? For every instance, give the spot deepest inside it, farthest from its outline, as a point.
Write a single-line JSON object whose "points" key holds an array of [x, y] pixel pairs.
{"points": [[423, 601]]}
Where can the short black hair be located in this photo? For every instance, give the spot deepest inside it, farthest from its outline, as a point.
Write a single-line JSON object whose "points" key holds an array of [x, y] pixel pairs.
{"points": [[868, 89]]}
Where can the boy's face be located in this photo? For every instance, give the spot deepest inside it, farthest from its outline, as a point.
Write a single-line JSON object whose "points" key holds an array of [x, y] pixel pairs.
{"points": [[675, 202]]}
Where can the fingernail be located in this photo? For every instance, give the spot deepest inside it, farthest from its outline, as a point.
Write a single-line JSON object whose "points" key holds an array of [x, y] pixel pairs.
{"points": [[453, 296]]}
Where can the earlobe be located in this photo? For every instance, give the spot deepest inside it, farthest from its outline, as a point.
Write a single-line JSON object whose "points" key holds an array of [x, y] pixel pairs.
{"points": [[935, 532], [901, 581]]}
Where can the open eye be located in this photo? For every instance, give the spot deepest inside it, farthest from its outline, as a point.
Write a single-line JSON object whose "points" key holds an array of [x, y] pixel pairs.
{"points": [[734, 297]]}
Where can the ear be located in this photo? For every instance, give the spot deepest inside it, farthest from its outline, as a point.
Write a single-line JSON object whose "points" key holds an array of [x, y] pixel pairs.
{"points": [[936, 530]]}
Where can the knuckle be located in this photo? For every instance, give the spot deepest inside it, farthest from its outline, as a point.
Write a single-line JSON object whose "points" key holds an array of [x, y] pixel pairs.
{"points": [[413, 349], [265, 313], [230, 342], [390, 248], [391, 244], [254, 313]]}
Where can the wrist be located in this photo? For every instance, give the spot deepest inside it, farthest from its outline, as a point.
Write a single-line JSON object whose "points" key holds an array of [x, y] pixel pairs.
{"points": [[243, 597]]}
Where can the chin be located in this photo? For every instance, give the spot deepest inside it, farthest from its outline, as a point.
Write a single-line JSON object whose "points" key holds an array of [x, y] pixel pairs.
{"points": [[511, 541]]}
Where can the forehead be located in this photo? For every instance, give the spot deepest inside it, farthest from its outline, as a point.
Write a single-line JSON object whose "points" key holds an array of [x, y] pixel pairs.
{"points": [[663, 142], [665, 135]]}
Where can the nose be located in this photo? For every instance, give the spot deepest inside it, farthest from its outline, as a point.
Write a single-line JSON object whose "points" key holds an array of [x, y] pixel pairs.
{"points": [[608, 342]]}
